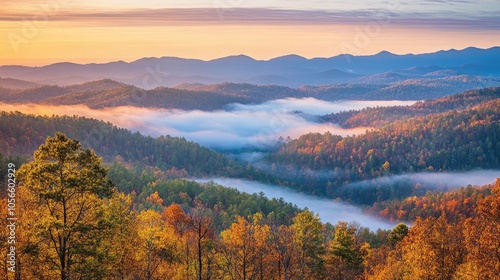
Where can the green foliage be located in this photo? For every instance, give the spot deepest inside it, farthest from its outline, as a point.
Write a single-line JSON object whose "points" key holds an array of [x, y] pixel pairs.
{"points": [[229, 202], [22, 134], [453, 141], [4, 161], [66, 181], [398, 233], [309, 236], [348, 251]]}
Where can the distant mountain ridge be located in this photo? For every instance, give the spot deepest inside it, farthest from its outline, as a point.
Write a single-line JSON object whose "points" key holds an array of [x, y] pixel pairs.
{"points": [[289, 70], [110, 93], [16, 84]]}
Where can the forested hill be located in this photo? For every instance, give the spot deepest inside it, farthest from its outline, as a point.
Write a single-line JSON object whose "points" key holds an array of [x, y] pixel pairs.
{"points": [[22, 134], [109, 93], [452, 141], [380, 116], [455, 204]]}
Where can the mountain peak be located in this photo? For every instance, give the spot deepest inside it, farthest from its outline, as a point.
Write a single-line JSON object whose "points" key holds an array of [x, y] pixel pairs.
{"points": [[385, 53], [290, 57], [240, 57]]}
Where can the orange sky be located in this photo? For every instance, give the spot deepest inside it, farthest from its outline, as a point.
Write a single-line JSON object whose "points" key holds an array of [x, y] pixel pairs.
{"points": [[54, 34]]}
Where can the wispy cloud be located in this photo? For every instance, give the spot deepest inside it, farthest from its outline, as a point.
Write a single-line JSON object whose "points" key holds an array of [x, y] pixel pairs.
{"points": [[259, 16]]}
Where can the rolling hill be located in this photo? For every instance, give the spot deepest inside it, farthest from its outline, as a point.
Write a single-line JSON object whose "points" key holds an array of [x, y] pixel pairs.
{"points": [[461, 138], [110, 93], [22, 134]]}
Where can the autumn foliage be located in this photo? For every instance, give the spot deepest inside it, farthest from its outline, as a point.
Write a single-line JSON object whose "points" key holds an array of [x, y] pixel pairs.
{"points": [[74, 225]]}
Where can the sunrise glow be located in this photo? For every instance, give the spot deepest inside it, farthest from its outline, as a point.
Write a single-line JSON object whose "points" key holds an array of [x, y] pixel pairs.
{"points": [[44, 32]]}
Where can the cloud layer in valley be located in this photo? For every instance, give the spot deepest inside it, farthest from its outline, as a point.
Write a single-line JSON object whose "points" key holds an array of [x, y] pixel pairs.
{"points": [[312, 106], [257, 126], [328, 210], [436, 180]]}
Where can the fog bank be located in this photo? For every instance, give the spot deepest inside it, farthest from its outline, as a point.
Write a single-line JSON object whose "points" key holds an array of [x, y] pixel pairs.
{"points": [[436, 180], [250, 126], [328, 210]]}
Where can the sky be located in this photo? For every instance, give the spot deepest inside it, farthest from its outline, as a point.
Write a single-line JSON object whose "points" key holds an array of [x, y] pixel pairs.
{"points": [[40, 32]]}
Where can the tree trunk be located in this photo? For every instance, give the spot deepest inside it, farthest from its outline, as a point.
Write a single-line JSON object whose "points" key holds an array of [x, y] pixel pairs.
{"points": [[187, 260], [200, 261], [149, 265]]}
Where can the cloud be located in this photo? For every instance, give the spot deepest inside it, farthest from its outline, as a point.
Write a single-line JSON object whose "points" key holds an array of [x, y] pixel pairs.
{"points": [[314, 106], [328, 210], [270, 16], [437, 180], [254, 126]]}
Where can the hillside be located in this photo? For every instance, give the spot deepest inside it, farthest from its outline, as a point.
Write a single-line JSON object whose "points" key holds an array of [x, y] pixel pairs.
{"points": [[109, 93], [16, 84], [171, 219], [22, 134], [456, 204], [451, 141], [377, 117]]}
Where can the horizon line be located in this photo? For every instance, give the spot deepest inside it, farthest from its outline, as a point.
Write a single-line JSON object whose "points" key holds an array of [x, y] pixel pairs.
{"points": [[252, 58]]}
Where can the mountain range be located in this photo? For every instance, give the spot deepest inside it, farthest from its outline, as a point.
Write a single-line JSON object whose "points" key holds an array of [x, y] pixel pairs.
{"points": [[110, 93], [290, 70]]}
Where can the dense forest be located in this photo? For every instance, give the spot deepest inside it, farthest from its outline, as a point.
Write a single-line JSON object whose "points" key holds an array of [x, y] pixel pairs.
{"points": [[381, 116], [452, 141], [21, 134], [135, 214], [456, 204], [178, 229], [455, 133]]}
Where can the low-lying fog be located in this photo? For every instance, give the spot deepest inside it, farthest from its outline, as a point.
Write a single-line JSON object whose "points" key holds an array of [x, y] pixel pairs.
{"points": [[333, 211], [328, 210], [437, 180], [253, 126], [258, 126]]}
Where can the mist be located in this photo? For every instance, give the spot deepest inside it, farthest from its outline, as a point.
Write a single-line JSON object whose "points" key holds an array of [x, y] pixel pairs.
{"points": [[329, 210], [435, 180], [312, 106], [241, 126]]}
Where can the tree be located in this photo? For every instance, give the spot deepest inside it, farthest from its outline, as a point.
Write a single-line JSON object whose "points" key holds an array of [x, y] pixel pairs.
{"points": [[398, 233], [348, 251], [243, 249], [433, 249], [122, 238], [201, 223], [159, 247], [482, 239], [177, 219], [386, 262], [308, 231], [285, 249], [69, 183]]}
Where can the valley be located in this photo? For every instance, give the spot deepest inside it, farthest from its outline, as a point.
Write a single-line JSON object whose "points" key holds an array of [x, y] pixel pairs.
{"points": [[371, 157]]}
